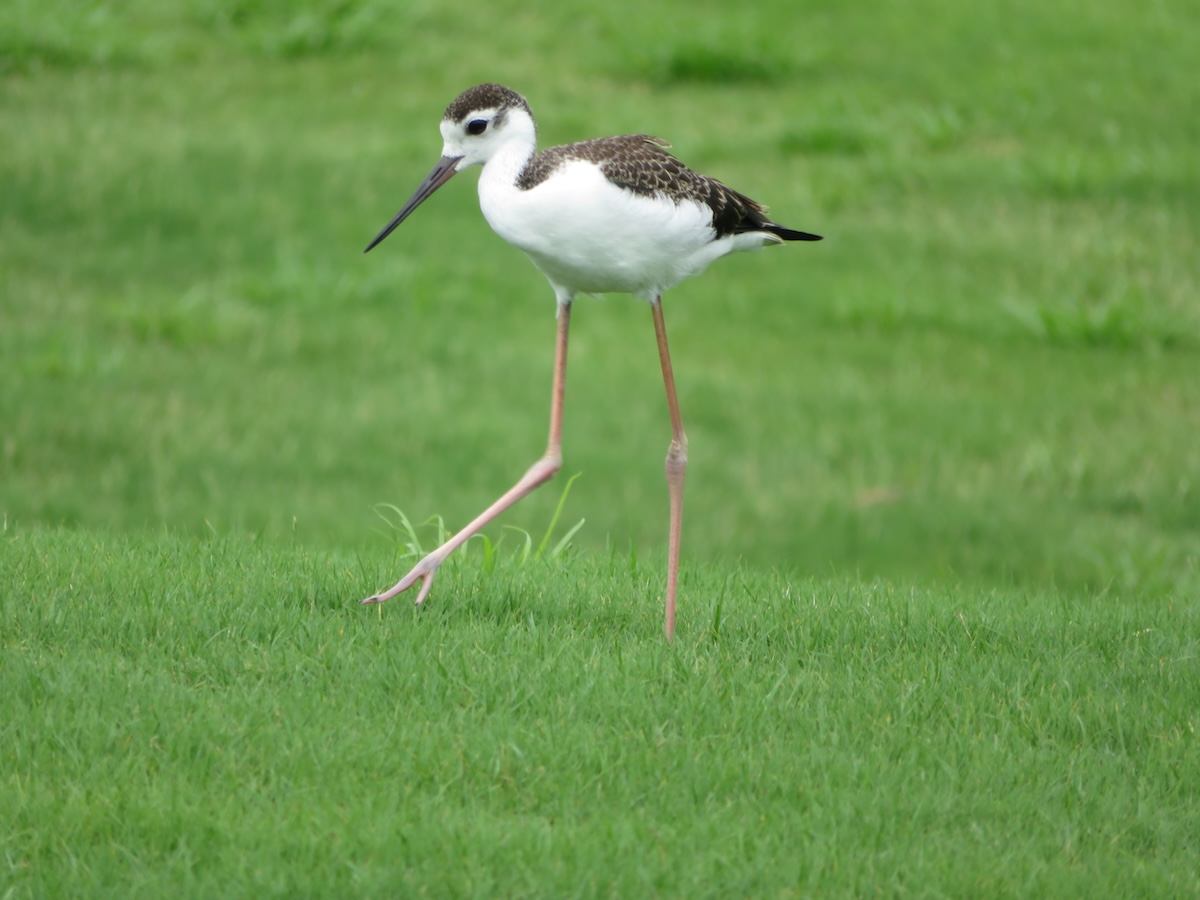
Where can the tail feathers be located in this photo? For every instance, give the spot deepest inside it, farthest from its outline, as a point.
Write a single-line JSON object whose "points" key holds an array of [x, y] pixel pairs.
{"points": [[787, 234]]}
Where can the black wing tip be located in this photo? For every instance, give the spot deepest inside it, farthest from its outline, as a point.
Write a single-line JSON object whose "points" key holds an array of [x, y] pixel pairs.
{"points": [[789, 234]]}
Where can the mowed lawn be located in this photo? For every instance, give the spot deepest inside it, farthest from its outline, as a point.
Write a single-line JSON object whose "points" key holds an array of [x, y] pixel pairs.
{"points": [[941, 563]]}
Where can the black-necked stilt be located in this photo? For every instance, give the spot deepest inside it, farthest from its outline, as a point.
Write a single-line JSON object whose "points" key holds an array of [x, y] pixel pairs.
{"points": [[612, 215]]}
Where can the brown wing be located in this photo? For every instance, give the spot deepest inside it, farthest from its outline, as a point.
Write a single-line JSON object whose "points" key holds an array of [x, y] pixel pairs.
{"points": [[639, 163]]}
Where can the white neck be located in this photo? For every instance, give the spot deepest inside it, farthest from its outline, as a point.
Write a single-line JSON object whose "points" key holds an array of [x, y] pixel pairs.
{"points": [[505, 165], [498, 181]]}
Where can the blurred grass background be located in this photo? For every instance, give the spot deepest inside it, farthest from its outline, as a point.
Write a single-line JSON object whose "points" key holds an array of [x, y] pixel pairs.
{"points": [[954, 447], [986, 374]]}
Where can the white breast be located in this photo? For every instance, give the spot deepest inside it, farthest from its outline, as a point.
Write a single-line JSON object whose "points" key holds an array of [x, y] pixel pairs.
{"points": [[589, 235]]}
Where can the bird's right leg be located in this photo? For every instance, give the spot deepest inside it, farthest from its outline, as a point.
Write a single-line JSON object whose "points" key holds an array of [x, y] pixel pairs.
{"points": [[539, 473], [676, 466]]}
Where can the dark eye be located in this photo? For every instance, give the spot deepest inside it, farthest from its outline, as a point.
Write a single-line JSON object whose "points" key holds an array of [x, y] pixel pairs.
{"points": [[477, 126]]}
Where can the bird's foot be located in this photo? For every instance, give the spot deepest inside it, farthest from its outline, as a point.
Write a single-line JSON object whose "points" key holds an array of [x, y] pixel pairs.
{"points": [[422, 572]]}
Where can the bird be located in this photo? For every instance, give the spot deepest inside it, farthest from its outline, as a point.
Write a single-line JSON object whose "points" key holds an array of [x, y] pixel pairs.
{"points": [[608, 215]]}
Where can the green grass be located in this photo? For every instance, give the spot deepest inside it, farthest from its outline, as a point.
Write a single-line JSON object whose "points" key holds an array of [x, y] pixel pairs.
{"points": [[212, 716], [941, 560]]}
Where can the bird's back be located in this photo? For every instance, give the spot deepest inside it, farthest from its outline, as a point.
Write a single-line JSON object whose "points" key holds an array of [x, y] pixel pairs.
{"points": [[640, 164]]}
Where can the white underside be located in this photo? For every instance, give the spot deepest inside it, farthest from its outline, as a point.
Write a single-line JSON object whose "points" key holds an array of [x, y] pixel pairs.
{"points": [[589, 236]]}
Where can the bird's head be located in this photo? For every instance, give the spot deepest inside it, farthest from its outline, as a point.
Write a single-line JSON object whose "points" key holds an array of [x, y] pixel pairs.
{"points": [[474, 127]]}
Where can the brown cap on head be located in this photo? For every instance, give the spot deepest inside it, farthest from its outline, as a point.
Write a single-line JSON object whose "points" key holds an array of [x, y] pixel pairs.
{"points": [[484, 96]]}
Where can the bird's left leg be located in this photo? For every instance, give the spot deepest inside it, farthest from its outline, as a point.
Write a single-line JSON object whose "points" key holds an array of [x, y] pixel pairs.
{"points": [[539, 473], [676, 464]]}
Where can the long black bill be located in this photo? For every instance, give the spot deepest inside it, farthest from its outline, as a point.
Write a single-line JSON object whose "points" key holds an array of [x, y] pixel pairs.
{"points": [[441, 173]]}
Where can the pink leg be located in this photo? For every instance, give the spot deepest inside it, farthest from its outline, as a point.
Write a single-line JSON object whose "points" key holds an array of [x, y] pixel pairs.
{"points": [[676, 465], [539, 473]]}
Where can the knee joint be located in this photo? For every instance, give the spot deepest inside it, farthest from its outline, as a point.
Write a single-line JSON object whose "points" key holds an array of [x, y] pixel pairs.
{"points": [[677, 453]]}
